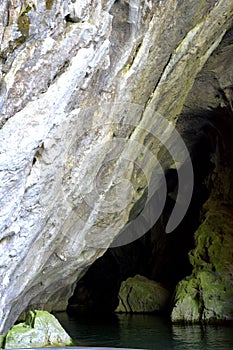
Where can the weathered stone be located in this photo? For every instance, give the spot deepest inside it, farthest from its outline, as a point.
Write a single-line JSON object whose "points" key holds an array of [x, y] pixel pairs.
{"points": [[187, 307], [40, 329], [139, 294], [207, 295], [126, 61]]}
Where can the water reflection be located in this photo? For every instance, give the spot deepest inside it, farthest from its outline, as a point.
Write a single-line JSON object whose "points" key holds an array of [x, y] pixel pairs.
{"points": [[144, 332], [91, 330], [203, 337]]}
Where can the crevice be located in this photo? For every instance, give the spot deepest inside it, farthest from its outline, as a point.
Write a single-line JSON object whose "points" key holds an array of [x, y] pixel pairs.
{"points": [[201, 306], [128, 299], [37, 157], [158, 81], [7, 237], [132, 58], [70, 19], [61, 70]]}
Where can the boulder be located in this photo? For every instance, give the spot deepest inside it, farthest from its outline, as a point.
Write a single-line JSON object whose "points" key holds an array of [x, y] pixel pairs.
{"points": [[40, 329], [139, 294]]}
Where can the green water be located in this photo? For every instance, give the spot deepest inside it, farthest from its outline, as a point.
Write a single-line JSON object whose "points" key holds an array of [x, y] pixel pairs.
{"points": [[145, 332]]}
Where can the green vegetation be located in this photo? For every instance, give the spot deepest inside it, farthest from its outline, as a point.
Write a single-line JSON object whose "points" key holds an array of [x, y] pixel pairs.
{"points": [[23, 23], [207, 295], [49, 4]]}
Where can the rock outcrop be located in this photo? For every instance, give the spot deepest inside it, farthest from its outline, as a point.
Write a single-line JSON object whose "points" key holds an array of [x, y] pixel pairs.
{"points": [[87, 90], [39, 330], [207, 294], [139, 294]]}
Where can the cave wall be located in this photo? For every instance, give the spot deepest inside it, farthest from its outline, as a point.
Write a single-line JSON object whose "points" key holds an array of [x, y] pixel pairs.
{"points": [[206, 295], [77, 78]]}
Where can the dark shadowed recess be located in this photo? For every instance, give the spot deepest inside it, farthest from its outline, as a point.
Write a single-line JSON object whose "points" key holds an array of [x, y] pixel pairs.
{"points": [[159, 256]]}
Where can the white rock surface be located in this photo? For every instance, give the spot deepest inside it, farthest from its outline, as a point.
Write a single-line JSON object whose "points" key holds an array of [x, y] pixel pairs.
{"points": [[82, 85]]}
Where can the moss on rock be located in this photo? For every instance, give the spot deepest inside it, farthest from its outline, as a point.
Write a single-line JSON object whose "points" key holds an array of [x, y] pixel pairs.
{"points": [[49, 4], [187, 301], [40, 329], [217, 296], [23, 23], [213, 240], [139, 294], [207, 295]]}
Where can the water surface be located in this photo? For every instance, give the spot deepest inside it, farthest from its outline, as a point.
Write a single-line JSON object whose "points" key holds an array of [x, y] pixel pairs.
{"points": [[144, 332]]}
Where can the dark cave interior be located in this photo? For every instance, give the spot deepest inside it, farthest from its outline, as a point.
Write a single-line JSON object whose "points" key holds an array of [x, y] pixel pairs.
{"points": [[206, 126], [157, 255]]}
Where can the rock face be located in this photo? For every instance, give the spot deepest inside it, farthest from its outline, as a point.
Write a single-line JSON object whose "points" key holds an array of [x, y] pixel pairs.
{"points": [[207, 295], [139, 294], [84, 87], [40, 329]]}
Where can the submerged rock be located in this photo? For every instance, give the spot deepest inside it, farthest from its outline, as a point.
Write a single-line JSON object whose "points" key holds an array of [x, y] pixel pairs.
{"points": [[139, 294], [41, 329]]}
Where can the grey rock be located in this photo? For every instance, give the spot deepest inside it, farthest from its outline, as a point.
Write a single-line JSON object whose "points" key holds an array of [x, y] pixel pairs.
{"points": [[40, 329], [139, 294], [73, 94], [206, 295]]}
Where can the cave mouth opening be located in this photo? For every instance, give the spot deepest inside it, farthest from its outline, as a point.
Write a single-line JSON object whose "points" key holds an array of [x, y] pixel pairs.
{"points": [[161, 257]]}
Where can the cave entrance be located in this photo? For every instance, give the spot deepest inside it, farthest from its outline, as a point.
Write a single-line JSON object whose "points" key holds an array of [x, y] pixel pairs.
{"points": [[206, 126], [157, 255]]}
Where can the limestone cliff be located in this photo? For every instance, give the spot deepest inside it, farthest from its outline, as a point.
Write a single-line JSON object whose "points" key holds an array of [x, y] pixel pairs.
{"points": [[84, 87]]}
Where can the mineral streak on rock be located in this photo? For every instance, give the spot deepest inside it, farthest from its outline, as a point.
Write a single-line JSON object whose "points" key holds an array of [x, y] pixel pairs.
{"points": [[61, 61]]}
